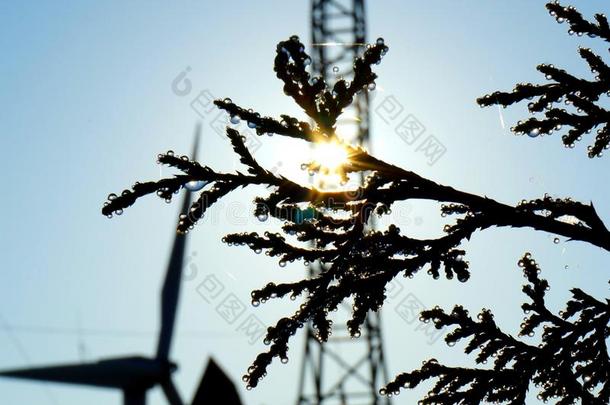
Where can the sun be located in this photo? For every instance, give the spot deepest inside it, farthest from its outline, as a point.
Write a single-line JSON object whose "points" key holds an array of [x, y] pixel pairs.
{"points": [[330, 155]]}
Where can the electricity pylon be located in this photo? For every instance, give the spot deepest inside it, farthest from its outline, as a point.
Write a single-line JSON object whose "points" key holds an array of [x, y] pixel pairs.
{"points": [[342, 371]]}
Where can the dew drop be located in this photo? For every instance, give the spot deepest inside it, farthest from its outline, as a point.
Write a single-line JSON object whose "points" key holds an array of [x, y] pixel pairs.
{"points": [[534, 133], [335, 69], [234, 119], [195, 185], [262, 217]]}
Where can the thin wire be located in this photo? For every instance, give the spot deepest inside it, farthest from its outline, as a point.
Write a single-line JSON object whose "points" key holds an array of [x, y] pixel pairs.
{"points": [[118, 333], [24, 355]]}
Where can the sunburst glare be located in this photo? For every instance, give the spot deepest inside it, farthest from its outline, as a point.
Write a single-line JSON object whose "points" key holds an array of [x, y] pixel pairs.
{"points": [[330, 155]]}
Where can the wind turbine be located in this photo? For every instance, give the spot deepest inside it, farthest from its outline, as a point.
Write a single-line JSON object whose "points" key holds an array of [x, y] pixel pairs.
{"points": [[135, 375]]}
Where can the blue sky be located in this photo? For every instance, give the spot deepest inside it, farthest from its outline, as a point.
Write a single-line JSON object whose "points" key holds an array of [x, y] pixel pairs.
{"points": [[87, 104]]}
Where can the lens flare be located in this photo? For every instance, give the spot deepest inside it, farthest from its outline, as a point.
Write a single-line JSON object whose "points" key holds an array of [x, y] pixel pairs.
{"points": [[330, 155]]}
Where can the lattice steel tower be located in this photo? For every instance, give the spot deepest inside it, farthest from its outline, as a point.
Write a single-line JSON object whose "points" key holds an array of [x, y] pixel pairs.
{"points": [[342, 371]]}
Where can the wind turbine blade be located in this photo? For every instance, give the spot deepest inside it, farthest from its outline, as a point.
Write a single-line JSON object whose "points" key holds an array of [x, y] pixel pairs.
{"points": [[216, 384], [171, 286], [171, 393], [135, 396], [115, 373]]}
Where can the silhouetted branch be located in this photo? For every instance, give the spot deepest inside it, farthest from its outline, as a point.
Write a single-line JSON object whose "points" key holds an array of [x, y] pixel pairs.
{"points": [[358, 262], [570, 365], [584, 95]]}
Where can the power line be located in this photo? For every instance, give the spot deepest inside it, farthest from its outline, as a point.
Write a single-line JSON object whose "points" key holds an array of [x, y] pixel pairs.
{"points": [[9, 330], [117, 333]]}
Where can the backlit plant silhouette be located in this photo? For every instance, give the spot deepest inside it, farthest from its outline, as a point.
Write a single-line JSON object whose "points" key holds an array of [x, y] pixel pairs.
{"points": [[570, 365], [583, 95], [359, 262]]}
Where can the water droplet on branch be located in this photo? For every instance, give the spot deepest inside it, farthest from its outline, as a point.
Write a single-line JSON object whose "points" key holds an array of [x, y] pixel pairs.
{"points": [[195, 185], [262, 216], [534, 133]]}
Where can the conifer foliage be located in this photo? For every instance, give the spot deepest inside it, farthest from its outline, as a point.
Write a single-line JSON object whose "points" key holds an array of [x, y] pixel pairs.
{"points": [[332, 227], [570, 365], [566, 100]]}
